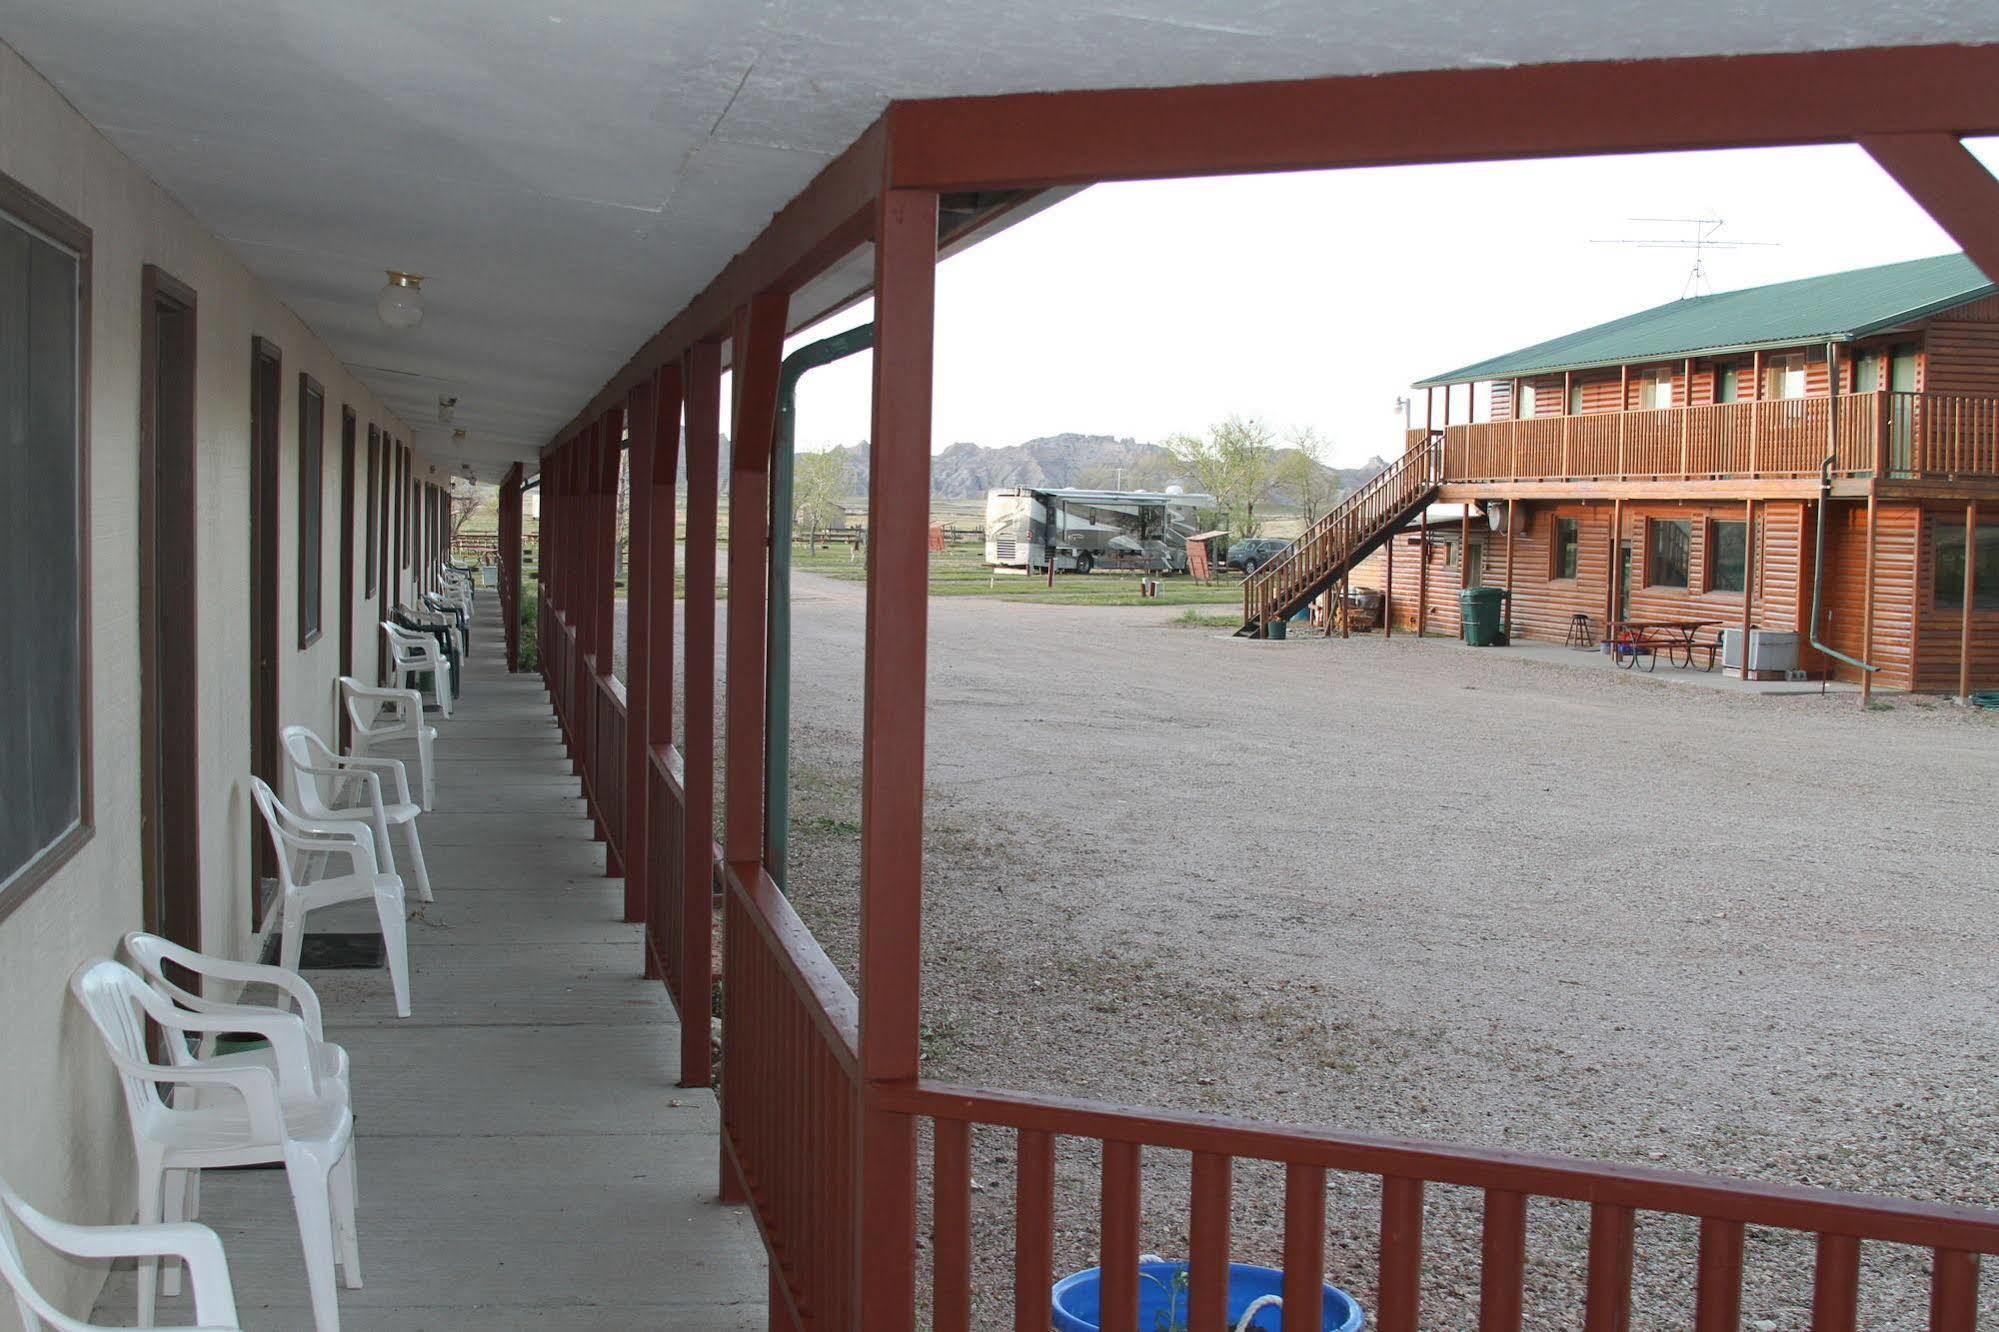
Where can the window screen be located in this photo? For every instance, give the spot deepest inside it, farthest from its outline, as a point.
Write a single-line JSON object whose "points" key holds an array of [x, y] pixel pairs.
{"points": [[43, 672], [1727, 556], [1567, 546], [1948, 582], [1668, 542]]}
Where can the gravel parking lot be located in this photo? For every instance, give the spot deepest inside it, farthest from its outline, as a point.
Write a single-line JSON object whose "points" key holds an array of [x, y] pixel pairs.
{"points": [[1415, 889]]}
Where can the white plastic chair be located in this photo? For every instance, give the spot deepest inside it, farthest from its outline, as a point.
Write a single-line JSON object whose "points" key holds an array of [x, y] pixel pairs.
{"points": [[271, 1117], [197, 1246], [356, 796], [294, 836], [413, 654], [383, 716], [150, 954]]}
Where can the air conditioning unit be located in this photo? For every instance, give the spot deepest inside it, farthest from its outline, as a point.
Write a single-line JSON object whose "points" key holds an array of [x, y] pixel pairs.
{"points": [[1771, 650]]}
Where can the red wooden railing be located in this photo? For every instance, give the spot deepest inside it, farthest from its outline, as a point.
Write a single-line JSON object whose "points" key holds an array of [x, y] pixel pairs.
{"points": [[1615, 1195], [604, 763], [789, 1097], [1903, 435], [666, 877]]}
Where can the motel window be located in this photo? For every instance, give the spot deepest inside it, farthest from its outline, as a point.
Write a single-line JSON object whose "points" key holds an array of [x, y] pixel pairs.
{"points": [[1784, 376], [1948, 583], [1655, 389], [311, 480], [368, 546], [44, 664], [1568, 547], [1667, 544], [1727, 383], [1727, 556]]}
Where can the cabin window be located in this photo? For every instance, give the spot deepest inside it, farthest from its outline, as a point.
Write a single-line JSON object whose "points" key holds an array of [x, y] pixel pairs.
{"points": [[1568, 547], [1867, 372], [1655, 389], [1575, 396], [1948, 583], [1727, 383], [1902, 367], [1727, 556], [1525, 406], [1668, 542], [1784, 376], [311, 476], [44, 594]]}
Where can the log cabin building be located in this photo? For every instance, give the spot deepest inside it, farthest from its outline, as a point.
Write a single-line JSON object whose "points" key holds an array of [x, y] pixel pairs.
{"points": [[1667, 465]]}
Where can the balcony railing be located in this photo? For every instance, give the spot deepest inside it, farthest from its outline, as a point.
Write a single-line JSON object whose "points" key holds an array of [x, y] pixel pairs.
{"points": [[1900, 436]]}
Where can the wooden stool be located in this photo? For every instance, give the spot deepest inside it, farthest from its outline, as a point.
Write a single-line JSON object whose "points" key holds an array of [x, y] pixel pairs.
{"points": [[1579, 633]]}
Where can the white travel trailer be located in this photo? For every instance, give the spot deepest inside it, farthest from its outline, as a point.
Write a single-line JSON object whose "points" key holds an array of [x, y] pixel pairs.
{"points": [[1144, 530]]}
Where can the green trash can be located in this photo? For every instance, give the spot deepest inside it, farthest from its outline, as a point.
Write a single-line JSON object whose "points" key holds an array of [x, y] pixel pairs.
{"points": [[1484, 615], [1275, 628]]}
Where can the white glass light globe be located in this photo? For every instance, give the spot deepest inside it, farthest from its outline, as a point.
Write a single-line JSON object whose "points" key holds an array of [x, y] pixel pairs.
{"points": [[401, 303]]}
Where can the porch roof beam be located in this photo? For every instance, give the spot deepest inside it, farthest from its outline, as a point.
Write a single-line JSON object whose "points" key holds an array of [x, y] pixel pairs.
{"points": [[1029, 140], [1952, 186]]}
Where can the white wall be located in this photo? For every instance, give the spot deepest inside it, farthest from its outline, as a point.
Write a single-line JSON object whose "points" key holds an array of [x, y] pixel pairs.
{"points": [[64, 1143]]}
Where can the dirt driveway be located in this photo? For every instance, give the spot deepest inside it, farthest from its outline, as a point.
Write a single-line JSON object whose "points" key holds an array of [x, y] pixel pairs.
{"points": [[1417, 889]]}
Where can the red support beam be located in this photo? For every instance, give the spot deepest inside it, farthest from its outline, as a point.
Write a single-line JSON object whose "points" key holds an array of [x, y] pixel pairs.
{"points": [[754, 354], [639, 610], [1028, 140], [660, 554], [891, 933], [1952, 186], [510, 564], [702, 376]]}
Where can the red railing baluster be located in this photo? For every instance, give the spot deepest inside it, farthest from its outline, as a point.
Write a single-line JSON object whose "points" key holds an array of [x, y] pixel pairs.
{"points": [[1401, 1286], [951, 1235], [1836, 1284], [1208, 1244], [1304, 1246], [1503, 1261], [1607, 1305], [1118, 1239], [1953, 1291], [1718, 1291], [1033, 1231]]}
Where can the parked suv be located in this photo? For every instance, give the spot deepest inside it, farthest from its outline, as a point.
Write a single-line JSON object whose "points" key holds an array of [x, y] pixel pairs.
{"points": [[1251, 553]]}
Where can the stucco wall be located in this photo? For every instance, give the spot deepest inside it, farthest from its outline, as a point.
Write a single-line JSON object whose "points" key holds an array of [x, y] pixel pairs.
{"points": [[63, 1138]]}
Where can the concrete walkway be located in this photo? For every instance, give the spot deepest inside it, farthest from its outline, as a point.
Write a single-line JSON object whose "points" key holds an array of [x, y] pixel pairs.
{"points": [[526, 1160]]}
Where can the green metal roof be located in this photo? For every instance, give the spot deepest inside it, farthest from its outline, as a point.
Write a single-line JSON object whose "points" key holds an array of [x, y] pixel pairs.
{"points": [[1834, 307]]}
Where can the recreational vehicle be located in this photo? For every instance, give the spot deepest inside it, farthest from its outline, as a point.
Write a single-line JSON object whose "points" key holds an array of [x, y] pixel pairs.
{"points": [[1144, 530]]}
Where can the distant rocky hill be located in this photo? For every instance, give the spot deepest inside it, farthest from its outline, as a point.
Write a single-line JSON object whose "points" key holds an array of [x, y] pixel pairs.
{"points": [[968, 471]]}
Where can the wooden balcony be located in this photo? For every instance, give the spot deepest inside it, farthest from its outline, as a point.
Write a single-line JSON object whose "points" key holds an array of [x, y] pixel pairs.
{"points": [[1921, 439]]}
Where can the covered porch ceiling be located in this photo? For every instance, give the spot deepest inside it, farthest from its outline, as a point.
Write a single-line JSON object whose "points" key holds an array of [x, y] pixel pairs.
{"points": [[567, 175]]}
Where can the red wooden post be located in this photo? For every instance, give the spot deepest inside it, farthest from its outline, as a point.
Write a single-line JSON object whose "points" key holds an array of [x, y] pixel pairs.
{"points": [[1503, 1264], [702, 375], [638, 660], [755, 350], [891, 943], [1401, 1276], [510, 564], [1208, 1244], [661, 559]]}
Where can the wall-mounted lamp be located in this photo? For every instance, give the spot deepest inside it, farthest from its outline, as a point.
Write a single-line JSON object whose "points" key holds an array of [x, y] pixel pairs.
{"points": [[401, 303]]}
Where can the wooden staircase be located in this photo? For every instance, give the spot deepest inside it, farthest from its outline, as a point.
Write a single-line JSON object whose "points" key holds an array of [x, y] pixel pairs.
{"points": [[1343, 537]]}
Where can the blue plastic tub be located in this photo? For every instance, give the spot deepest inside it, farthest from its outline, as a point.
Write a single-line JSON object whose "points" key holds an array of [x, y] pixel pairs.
{"points": [[1160, 1303]]}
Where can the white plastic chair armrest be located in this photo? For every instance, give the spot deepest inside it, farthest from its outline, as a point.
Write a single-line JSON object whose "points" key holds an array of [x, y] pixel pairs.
{"points": [[286, 1033], [196, 1244], [394, 767], [257, 1085], [370, 781], [339, 839], [288, 983]]}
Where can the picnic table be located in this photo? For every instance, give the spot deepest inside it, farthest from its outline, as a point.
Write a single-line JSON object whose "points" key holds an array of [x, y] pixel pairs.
{"points": [[1633, 641]]}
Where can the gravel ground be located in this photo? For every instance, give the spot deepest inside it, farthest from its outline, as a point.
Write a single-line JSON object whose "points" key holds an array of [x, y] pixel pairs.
{"points": [[1408, 888]]}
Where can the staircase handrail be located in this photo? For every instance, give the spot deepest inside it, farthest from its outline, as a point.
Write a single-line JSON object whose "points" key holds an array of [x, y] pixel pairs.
{"points": [[1357, 517]]}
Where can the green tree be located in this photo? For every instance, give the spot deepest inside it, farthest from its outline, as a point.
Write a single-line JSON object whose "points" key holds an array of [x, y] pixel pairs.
{"points": [[819, 483], [1304, 475], [1233, 462]]}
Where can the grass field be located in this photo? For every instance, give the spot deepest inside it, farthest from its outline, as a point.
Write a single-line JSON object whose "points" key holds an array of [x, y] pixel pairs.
{"points": [[960, 572]]}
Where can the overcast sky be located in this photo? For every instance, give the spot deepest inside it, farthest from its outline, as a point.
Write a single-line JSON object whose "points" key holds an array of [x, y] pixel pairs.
{"points": [[1315, 299]]}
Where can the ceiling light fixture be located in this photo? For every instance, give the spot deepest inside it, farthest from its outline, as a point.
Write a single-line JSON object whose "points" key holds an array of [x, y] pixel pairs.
{"points": [[401, 303], [446, 409]]}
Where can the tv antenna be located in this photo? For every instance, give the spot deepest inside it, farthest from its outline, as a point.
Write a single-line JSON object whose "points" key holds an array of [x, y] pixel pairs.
{"points": [[1699, 235]]}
